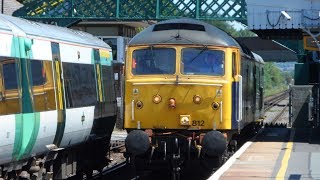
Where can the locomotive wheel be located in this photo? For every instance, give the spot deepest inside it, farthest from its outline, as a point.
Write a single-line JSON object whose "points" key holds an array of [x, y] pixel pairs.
{"points": [[214, 162]]}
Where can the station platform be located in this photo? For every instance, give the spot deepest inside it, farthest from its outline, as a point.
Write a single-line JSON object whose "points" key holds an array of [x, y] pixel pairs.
{"points": [[276, 153]]}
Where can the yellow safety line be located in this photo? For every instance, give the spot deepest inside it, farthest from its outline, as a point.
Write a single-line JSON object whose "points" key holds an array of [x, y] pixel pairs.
{"points": [[284, 163]]}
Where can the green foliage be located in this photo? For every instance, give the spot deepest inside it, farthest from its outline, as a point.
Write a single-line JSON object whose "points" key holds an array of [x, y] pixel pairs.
{"points": [[275, 80], [227, 27]]}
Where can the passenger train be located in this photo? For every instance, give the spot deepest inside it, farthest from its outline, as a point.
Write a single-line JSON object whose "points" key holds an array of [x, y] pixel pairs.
{"points": [[190, 89], [57, 101]]}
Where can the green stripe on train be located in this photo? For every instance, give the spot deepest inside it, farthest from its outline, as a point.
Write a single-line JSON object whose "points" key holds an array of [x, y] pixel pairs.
{"points": [[28, 122], [27, 129]]}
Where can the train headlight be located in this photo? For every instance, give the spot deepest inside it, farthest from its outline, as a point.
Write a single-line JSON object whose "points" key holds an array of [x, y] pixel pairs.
{"points": [[197, 99], [172, 103], [215, 105], [185, 120], [139, 104], [157, 99]]}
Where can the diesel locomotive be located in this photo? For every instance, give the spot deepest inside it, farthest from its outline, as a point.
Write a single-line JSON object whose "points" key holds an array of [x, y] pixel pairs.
{"points": [[190, 88], [57, 101]]}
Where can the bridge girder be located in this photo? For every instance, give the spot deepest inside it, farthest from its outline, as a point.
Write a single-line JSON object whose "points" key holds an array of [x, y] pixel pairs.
{"points": [[66, 12]]}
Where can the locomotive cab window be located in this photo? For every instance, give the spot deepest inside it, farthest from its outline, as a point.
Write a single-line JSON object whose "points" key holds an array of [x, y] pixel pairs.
{"points": [[153, 61], [200, 61]]}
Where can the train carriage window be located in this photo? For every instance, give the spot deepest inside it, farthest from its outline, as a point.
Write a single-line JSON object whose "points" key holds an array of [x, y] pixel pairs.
{"points": [[200, 61], [38, 73], [10, 76], [154, 61], [80, 85], [10, 96]]}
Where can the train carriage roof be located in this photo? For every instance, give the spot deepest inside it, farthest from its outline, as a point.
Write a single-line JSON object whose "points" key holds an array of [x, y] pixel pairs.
{"points": [[183, 31], [26, 28]]}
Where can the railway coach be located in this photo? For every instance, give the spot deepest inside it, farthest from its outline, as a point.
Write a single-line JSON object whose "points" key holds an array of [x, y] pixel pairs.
{"points": [[57, 100]]}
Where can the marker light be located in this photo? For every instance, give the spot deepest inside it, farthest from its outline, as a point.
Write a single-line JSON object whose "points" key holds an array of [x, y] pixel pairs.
{"points": [[197, 99], [185, 120], [215, 105], [172, 103], [139, 104], [157, 99]]}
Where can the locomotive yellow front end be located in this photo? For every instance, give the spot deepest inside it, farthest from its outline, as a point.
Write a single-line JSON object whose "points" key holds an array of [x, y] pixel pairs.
{"points": [[167, 89], [179, 94]]}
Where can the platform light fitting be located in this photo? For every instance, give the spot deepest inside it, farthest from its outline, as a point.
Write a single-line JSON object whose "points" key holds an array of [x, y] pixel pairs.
{"points": [[286, 15]]}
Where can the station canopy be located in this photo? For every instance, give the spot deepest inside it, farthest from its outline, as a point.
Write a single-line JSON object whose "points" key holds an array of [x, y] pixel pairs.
{"points": [[269, 50]]}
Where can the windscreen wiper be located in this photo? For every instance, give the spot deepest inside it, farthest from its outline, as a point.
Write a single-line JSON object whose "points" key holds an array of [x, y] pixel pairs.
{"points": [[205, 48]]}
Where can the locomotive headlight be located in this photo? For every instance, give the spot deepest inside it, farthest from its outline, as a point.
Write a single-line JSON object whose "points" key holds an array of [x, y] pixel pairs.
{"points": [[215, 105], [197, 99], [139, 104], [172, 103], [185, 120], [157, 99]]}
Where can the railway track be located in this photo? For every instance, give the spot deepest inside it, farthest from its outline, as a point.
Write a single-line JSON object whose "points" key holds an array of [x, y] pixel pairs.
{"points": [[274, 100], [275, 108]]}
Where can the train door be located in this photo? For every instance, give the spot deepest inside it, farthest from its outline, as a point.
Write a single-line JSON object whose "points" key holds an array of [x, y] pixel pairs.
{"points": [[59, 92], [236, 91], [100, 95]]}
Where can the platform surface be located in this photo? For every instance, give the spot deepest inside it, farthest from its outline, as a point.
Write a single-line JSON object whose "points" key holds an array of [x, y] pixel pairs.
{"points": [[276, 153]]}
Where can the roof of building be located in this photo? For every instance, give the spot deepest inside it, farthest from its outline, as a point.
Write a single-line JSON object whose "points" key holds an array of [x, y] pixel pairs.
{"points": [[9, 6]]}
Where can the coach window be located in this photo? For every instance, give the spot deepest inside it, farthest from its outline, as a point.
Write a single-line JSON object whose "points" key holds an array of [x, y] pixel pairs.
{"points": [[153, 61], [10, 102], [80, 85], [42, 101], [37, 73], [200, 61], [10, 76]]}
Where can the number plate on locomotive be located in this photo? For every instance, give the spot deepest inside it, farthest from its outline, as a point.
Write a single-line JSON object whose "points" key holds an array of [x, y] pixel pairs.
{"points": [[197, 123]]}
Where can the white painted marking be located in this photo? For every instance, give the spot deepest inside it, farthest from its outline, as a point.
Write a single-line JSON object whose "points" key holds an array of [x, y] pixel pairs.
{"points": [[230, 161]]}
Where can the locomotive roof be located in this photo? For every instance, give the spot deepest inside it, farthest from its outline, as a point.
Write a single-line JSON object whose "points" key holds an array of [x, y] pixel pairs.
{"points": [[183, 31], [258, 58], [25, 28]]}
